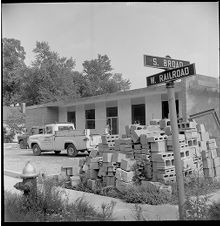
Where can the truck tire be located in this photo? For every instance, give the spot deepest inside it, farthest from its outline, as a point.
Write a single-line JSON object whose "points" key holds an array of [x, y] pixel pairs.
{"points": [[71, 150], [57, 152], [21, 144], [36, 150]]}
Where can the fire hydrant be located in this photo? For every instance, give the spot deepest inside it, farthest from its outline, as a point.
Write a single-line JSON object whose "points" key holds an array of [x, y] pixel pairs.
{"points": [[29, 183]]}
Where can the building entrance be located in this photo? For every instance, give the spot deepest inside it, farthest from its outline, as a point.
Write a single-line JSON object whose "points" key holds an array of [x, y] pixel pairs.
{"points": [[112, 119], [138, 114]]}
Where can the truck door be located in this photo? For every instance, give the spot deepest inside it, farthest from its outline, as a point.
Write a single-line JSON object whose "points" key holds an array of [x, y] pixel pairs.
{"points": [[48, 139]]}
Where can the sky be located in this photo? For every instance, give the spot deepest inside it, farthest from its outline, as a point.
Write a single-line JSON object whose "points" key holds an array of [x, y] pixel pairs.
{"points": [[125, 32]]}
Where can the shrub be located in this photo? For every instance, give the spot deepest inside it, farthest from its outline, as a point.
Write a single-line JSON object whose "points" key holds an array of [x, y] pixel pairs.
{"points": [[49, 205], [196, 208], [145, 194], [214, 211]]}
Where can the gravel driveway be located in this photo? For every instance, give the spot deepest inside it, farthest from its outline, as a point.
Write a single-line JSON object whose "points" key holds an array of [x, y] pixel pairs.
{"points": [[16, 158]]}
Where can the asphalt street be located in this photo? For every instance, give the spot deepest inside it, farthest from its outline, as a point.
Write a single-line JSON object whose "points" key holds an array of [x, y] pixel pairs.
{"points": [[49, 163]]}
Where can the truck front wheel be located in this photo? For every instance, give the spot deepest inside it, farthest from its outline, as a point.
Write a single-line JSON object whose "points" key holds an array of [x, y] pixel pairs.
{"points": [[71, 150], [36, 150]]}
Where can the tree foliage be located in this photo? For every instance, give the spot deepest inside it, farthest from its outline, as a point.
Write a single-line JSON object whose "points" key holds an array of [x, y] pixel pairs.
{"points": [[53, 78], [99, 78], [55, 74], [13, 67]]}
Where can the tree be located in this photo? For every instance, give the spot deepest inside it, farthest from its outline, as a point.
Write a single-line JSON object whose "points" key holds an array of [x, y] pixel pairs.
{"points": [[13, 67], [54, 74], [99, 78]]}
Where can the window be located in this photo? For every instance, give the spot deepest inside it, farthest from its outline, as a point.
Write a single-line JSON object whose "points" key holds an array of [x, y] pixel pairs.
{"points": [[49, 130], [138, 114], [62, 128], [90, 119], [112, 119]]}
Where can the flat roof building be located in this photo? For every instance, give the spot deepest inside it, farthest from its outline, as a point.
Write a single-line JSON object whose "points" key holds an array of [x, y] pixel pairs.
{"points": [[193, 94]]}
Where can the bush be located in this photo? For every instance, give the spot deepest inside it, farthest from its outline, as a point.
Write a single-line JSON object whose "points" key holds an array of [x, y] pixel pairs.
{"points": [[145, 194], [49, 205], [214, 211]]}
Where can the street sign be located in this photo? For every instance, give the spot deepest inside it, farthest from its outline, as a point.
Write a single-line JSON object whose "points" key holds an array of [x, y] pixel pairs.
{"points": [[171, 75], [163, 63]]}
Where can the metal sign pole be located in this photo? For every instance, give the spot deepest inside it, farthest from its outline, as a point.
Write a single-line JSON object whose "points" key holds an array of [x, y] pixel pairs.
{"points": [[176, 147]]}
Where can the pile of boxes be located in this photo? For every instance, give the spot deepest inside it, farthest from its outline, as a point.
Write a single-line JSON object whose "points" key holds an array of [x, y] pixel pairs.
{"points": [[147, 152]]}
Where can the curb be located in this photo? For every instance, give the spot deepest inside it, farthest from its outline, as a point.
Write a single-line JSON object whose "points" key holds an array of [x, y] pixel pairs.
{"points": [[13, 174]]}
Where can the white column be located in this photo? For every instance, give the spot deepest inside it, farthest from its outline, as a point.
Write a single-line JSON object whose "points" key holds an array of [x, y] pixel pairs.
{"points": [[124, 114], [80, 117], [62, 114], [100, 117]]}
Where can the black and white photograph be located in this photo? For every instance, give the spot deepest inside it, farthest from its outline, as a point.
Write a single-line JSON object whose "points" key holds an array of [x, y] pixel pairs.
{"points": [[110, 111]]}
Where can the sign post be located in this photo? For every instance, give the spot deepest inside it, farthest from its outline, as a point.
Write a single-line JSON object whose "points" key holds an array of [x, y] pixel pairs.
{"points": [[168, 77]]}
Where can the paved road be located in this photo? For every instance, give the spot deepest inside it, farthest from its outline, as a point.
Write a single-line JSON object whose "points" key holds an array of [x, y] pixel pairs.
{"points": [[16, 158]]}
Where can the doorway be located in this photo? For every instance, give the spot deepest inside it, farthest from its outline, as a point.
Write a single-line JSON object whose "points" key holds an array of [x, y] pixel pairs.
{"points": [[138, 114], [165, 109], [112, 119], [71, 117]]}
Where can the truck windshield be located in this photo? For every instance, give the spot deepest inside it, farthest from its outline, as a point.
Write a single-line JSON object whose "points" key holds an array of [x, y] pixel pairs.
{"points": [[62, 128]]}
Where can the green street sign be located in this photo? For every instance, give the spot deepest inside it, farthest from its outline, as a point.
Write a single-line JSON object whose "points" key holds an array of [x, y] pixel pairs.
{"points": [[163, 63], [171, 75]]}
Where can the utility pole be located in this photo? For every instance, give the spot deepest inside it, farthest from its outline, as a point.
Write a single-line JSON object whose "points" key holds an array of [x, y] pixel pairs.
{"points": [[174, 70]]}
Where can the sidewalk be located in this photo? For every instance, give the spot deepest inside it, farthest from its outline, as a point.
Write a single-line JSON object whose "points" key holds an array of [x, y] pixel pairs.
{"points": [[122, 211]]}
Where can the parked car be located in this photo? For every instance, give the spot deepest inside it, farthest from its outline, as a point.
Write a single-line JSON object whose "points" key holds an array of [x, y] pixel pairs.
{"points": [[63, 136], [22, 139]]}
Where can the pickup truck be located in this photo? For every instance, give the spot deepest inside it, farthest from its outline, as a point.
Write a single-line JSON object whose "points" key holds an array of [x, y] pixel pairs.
{"points": [[22, 139], [63, 136]]}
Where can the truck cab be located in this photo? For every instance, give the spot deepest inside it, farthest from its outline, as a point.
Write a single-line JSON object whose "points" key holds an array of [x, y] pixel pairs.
{"points": [[22, 139]]}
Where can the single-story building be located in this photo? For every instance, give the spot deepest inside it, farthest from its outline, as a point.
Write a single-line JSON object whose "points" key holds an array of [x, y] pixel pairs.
{"points": [[193, 94]]}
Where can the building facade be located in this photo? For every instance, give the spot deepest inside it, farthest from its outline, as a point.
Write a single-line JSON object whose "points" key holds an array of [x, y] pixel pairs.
{"points": [[194, 94]]}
